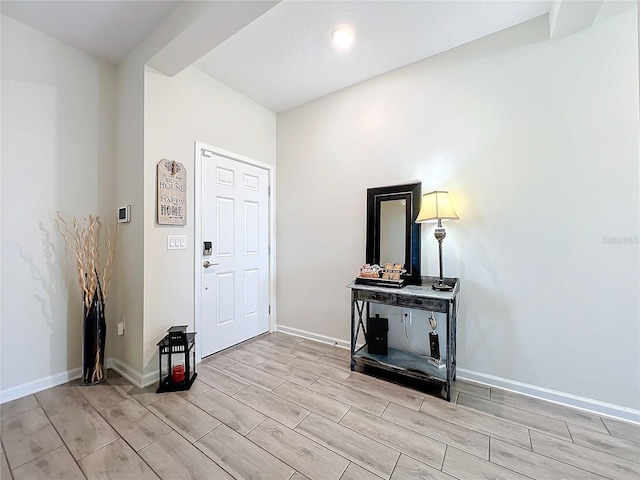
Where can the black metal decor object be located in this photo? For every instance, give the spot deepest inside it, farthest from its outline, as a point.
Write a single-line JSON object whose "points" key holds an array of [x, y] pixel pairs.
{"points": [[378, 335], [434, 345], [176, 349], [94, 331]]}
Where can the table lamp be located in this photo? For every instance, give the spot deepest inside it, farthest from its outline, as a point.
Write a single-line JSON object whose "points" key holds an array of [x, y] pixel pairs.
{"points": [[437, 206]]}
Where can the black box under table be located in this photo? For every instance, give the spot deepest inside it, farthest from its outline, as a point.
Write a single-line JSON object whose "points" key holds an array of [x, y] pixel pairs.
{"points": [[377, 335]]}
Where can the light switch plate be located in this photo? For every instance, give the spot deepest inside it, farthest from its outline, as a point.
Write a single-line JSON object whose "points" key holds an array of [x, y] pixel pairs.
{"points": [[176, 242]]}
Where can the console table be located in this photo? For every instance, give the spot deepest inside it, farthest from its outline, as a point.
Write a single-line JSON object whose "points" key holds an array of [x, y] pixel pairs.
{"points": [[413, 297]]}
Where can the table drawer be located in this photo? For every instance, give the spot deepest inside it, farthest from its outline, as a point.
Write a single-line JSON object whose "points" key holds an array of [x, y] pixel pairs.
{"points": [[368, 296], [432, 304]]}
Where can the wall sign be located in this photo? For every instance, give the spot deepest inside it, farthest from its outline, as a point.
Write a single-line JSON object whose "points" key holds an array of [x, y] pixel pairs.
{"points": [[172, 193]]}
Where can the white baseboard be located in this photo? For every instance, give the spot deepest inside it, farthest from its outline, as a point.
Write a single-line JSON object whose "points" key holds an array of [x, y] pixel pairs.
{"points": [[575, 401], [131, 374], [36, 386], [582, 403], [126, 371], [312, 336], [149, 378]]}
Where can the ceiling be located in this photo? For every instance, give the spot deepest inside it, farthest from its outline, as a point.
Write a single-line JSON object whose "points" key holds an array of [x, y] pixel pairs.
{"points": [[108, 30], [284, 58]]}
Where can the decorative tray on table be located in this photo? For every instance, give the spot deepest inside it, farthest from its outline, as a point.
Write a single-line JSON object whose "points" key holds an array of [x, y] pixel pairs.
{"points": [[389, 275]]}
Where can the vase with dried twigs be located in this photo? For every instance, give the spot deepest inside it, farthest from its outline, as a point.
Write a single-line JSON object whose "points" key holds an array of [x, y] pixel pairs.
{"points": [[85, 239]]}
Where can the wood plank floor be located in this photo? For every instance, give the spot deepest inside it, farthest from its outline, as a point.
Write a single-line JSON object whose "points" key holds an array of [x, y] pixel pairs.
{"points": [[280, 407]]}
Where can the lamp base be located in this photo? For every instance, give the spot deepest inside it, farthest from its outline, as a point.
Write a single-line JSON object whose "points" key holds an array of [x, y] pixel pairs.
{"points": [[442, 287]]}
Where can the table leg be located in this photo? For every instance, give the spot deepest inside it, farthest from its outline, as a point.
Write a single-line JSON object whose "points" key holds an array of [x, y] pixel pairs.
{"points": [[353, 339]]}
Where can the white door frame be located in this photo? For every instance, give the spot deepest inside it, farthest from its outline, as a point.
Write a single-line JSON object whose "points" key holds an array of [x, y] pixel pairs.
{"points": [[197, 293]]}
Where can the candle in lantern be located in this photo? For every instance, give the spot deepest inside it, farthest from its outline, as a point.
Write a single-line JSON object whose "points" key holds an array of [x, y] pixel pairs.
{"points": [[177, 372]]}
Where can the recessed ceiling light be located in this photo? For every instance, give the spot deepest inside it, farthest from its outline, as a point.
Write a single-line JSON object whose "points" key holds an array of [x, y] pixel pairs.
{"points": [[342, 37]]}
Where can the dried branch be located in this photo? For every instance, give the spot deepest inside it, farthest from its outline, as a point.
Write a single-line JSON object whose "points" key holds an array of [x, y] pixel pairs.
{"points": [[77, 251], [97, 240], [111, 253], [98, 370], [83, 241]]}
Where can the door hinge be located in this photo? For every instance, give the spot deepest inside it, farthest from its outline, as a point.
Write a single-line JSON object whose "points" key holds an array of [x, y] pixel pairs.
{"points": [[268, 191], [269, 309], [206, 153], [269, 249]]}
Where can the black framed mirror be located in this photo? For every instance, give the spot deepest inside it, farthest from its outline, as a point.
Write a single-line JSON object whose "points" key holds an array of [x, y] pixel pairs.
{"points": [[392, 232]]}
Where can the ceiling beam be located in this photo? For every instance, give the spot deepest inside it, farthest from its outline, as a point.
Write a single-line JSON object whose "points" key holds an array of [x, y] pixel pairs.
{"points": [[214, 23], [567, 17]]}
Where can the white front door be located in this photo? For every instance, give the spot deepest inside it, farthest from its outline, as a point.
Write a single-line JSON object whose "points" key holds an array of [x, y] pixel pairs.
{"points": [[235, 275]]}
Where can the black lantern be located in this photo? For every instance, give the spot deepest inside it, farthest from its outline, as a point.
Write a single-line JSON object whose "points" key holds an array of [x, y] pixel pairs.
{"points": [[177, 360]]}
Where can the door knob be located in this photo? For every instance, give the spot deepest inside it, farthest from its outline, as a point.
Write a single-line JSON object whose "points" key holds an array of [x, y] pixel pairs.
{"points": [[208, 264]]}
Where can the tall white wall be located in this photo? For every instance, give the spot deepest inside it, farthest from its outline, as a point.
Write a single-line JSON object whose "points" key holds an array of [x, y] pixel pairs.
{"points": [[128, 296], [133, 285], [179, 111], [127, 284], [58, 121], [537, 141]]}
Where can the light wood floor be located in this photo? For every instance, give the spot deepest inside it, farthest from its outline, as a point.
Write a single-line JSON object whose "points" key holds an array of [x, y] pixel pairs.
{"points": [[279, 407]]}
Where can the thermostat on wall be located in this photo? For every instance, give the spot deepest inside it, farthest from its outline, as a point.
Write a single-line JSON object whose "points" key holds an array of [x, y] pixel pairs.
{"points": [[124, 214]]}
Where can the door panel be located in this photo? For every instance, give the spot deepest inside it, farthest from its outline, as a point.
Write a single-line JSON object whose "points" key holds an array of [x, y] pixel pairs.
{"points": [[225, 176], [251, 290], [224, 298], [251, 228], [251, 182], [225, 208], [235, 286]]}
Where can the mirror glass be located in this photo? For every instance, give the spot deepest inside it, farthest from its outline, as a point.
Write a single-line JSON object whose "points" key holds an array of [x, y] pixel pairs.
{"points": [[392, 231], [392, 234]]}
